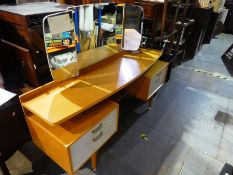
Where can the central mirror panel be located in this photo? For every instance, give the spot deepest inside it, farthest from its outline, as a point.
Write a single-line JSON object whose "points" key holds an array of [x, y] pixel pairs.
{"points": [[71, 35], [99, 25]]}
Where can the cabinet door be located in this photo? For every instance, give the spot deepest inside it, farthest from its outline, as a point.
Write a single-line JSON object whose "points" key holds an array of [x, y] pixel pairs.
{"points": [[27, 67]]}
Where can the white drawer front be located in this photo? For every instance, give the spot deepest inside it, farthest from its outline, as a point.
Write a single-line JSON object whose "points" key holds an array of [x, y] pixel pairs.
{"points": [[109, 128], [81, 150], [157, 81], [88, 144]]}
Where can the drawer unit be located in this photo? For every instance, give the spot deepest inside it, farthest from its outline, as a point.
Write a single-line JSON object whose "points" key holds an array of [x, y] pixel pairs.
{"points": [[150, 82], [21, 28], [87, 145], [73, 142]]}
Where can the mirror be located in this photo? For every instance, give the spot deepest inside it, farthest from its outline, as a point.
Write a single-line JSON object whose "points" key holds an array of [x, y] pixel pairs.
{"points": [[133, 25], [60, 44], [86, 27], [99, 24]]}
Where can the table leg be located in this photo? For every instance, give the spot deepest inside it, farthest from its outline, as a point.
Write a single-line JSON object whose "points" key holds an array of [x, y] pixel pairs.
{"points": [[150, 103], [4, 169], [93, 161]]}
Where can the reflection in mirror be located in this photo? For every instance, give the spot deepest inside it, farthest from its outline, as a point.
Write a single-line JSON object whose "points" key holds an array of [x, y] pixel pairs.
{"points": [[133, 25], [59, 38], [108, 24], [99, 24]]}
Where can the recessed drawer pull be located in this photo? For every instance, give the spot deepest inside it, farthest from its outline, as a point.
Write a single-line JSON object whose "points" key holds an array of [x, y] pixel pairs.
{"points": [[94, 131], [98, 137]]}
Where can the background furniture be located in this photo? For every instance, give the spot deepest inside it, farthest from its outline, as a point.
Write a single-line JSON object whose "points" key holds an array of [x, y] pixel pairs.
{"points": [[227, 59], [7, 2], [13, 130], [195, 41], [153, 12], [210, 30], [229, 20], [80, 2], [22, 42]]}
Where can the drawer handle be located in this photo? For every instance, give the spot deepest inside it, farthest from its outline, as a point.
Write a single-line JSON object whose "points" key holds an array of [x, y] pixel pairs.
{"points": [[98, 137], [94, 131]]}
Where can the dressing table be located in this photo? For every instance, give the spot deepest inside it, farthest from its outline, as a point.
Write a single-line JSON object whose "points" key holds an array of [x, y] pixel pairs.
{"points": [[60, 113], [71, 119]]}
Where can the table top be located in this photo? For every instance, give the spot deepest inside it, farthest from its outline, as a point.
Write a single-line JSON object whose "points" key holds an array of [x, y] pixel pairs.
{"points": [[57, 102]]}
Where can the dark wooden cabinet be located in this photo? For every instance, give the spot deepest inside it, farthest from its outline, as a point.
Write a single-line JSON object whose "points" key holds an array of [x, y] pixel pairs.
{"points": [[202, 17], [13, 130], [23, 57], [153, 12], [229, 20], [22, 41], [211, 27], [17, 42]]}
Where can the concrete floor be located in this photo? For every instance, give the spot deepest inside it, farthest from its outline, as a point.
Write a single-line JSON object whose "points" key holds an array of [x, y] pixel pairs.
{"points": [[189, 128]]}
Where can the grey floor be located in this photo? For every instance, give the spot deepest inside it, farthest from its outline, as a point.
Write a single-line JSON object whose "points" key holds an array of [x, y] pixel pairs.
{"points": [[189, 130]]}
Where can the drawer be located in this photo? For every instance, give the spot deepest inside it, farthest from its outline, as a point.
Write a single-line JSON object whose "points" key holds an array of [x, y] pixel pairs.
{"points": [[156, 81], [144, 87], [86, 146], [109, 127], [81, 150], [73, 142]]}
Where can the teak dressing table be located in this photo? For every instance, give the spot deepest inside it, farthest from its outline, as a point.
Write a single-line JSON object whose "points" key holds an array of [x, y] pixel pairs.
{"points": [[70, 120]]}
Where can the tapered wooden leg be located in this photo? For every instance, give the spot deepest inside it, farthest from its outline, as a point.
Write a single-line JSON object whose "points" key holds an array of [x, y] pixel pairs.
{"points": [[4, 169], [150, 103], [93, 161]]}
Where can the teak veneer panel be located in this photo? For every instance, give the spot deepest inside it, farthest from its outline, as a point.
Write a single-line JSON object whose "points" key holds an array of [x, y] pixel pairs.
{"points": [[63, 102], [57, 102], [116, 74]]}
